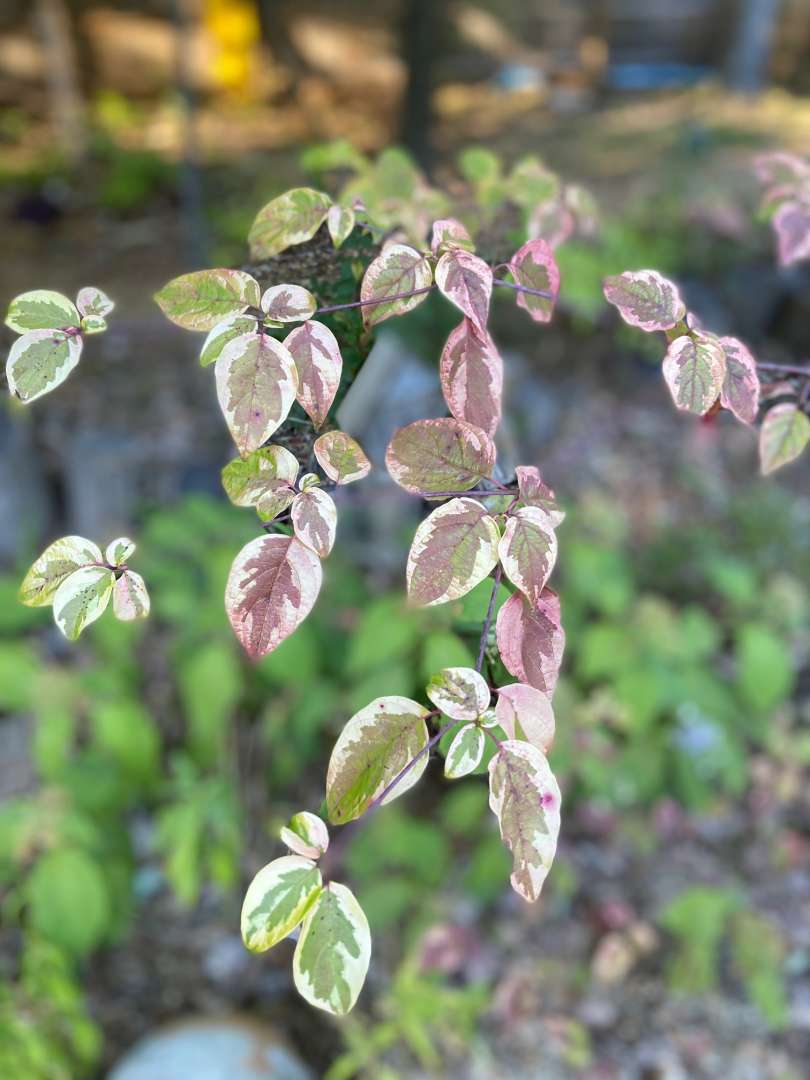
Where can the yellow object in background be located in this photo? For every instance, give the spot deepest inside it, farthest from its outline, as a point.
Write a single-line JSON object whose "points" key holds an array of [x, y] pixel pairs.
{"points": [[233, 26]]}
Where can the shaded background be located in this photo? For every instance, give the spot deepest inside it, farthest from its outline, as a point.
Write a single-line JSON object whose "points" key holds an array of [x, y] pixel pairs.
{"points": [[145, 771]]}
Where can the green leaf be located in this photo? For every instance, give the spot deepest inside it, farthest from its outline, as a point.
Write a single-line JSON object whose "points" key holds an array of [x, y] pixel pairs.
{"points": [[784, 434], [373, 748], [386, 632], [333, 952], [292, 218], [223, 333], [68, 901], [263, 479], [40, 361], [277, 900], [127, 733], [41, 309], [465, 752], [57, 562], [200, 300], [81, 599], [765, 670], [210, 684]]}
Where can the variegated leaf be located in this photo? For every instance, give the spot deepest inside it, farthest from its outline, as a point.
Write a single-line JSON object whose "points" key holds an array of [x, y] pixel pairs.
{"points": [[373, 748], [130, 598], [265, 476], [694, 369], [740, 389], [288, 303], [792, 225], [439, 455], [645, 299], [447, 234], [525, 712], [332, 955], [454, 548], [200, 300], [525, 798], [291, 218], [534, 267], [461, 693], [531, 639], [534, 492], [340, 221], [58, 560], [314, 518], [81, 598], [93, 324], [316, 353], [256, 387], [42, 309], [466, 281], [341, 457], [528, 551], [465, 752], [780, 167], [272, 586], [92, 302], [305, 834], [784, 434], [277, 900], [308, 480], [118, 551], [233, 327], [471, 372], [398, 269], [551, 221], [39, 361], [584, 207]]}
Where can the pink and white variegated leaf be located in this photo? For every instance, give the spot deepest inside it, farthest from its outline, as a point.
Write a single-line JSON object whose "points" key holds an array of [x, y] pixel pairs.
{"points": [[535, 267], [314, 519], [524, 712], [461, 693], [454, 548], [740, 390], [291, 218], [256, 386], [306, 834], [397, 270], [471, 373], [525, 798], [791, 223], [263, 479], [645, 299], [551, 221], [200, 300], [93, 303], [447, 234], [130, 598], [439, 455], [42, 309], [535, 492], [528, 551], [784, 434], [373, 748], [341, 457], [233, 326], [272, 586], [340, 221], [531, 639], [466, 281], [39, 361], [780, 167], [317, 358], [694, 369], [288, 303], [464, 752]]}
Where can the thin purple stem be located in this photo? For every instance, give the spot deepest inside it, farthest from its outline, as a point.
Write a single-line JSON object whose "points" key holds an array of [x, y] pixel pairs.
{"points": [[482, 647], [788, 369], [480, 493], [426, 289]]}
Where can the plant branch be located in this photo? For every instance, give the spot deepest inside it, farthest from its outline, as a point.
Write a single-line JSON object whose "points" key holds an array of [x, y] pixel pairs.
{"points": [[482, 647], [787, 369], [425, 289], [479, 493]]}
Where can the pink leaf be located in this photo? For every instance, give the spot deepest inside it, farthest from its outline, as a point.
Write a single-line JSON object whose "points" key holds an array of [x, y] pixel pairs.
{"points": [[447, 234], [525, 712], [694, 369], [779, 167], [471, 372], [454, 548], [645, 299], [272, 586], [341, 457], [256, 385], [551, 221], [792, 224], [397, 270], [314, 518], [531, 639], [740, 391], [528, 551], [439, 455], [534, 492], [535, 267], [316, 353], [466, 281]]}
